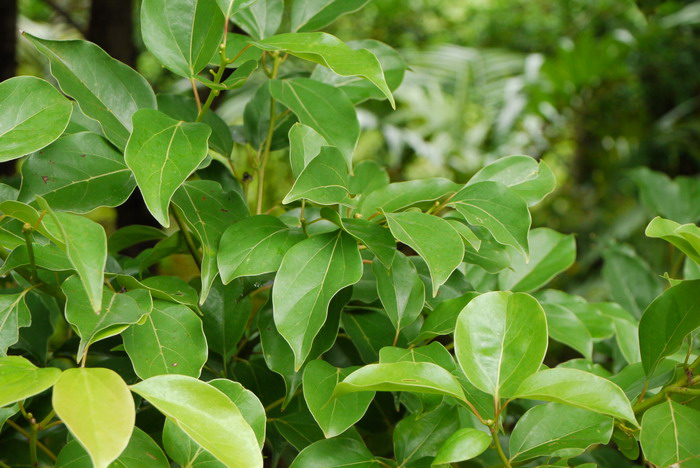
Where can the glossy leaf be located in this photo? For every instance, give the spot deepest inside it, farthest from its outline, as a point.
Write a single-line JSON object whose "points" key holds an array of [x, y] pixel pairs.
{"points": [[131, 235], [182, 34], [368, 176], [564, 326], [500, 340], [167, 288], [170, 341], [21, 379], [261, 19], [208, 211], [231, 7], [367, 330], [554, 429], [421, 435], [323, 108], [311, 15], [184, 451], [206, 414], [224, 317], [311, 273], [434, 240], [247, 403], [253, 246], [48, 257], [399, 195], [550, 254], [304, 145], [577, 388], [377, 238], [671, 434], [334, 453], [530, 179], [326, 49], [162, 153], [102, 423], [667, 321], [106, 89], [401, 291], [79, 172], [34, 115], [686, 237], [14, 314], [442, 319], [464, 444], [324, 180]]}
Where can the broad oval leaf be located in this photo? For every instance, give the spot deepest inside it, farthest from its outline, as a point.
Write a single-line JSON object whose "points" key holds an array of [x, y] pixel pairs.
{"points": [[420, 435], [224, 317], [401, 290], [182, 34], [671, 434], [14, 314], [247, 403], [206, 414], [375, 237], [433, 238], [163, 153], [326, 49], [253, 246], [311, 273], [78, 173], [555, 430], [261, 19], [335, 453], [333, 414], [464, 444], [309, 15], [102, 422], [184, 451], [21, 379], [673, 199], [170, 341], [106, 89], [500, 340], [399, 195], [577, 388], [442, 319], [34, 115], [667, 321], [305, 144], [498, 209], [231, 7], [684, 236], [564, 326], [324, 180]]}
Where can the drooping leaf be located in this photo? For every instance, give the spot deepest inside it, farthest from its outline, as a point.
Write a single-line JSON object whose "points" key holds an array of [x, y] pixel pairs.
{"points": [[577, 388], [399, 195], [323, 108], [324, 180], [550, 254], [170, 341], [206, 414], [182, 34], [247, 403], [555, 430], [421, 435], [224, 316], [686, 236], [315, 14], [497, 208], [401, 291], [106, 89], [464, 444], [311, 273], [13, 315], [34, 115], [208, 211], [434, 240], [21, 379], [667, 321], [162, 153], [326, 49], [253, 246], [261, 19], [500, 340], [671, 435], [333, 453], [96, 406]]}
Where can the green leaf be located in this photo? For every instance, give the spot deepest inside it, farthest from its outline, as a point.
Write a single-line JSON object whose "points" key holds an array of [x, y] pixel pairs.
{"points": [[21, 379], [599, 326], [500, 340], [323, 108], [324, 180], [673, 199], [304, 145], [106, 90], [667, 321], [131, 235], [167, 288], [442, 319], [566, 327], [163, 153], [184, 451], [404, 376], [401, 291], [472, 240], [335, 453], [256, 120], [400, 195], [577, 388], [327, 50], [556, 430], [368, 177], [550, 254], [104, 420], [422, 435], [686, 236], [626, 330], [224, 317], [14, 314], [309, 15], [208, 211], [118, 312], [261, 19], [367, 330], [182, 34], [311, 273], [524, 175], [170, 341], [497, 208], [231, 7], [253, 246], [34, 115], [247, 403], [141, 452], [671, 435], [206, 414], [377, 239], [434, 240], [78, 173], [464, 444], [333, 414]]}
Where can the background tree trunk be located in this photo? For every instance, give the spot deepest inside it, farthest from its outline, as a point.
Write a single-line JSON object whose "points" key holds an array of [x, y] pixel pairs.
{"points": [[112, 28]]}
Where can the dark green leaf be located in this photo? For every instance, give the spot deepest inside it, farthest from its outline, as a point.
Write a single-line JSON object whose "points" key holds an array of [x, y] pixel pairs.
{"points": [[224, 316], [401, 291], [335, 453], [314, 14], [399, 195], [324, 180], [422, 435]]}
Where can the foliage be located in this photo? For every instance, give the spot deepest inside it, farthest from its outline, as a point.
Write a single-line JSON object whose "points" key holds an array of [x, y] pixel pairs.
{"points": [[353, 320]]}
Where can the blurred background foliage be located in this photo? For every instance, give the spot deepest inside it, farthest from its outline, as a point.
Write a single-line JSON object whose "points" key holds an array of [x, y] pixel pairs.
{"points": [[595, 88]]}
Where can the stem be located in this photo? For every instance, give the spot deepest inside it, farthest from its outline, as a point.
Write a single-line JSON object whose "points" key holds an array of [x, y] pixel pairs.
{"points": [[27, 231], [32, 445], [499, 449], [302, 219], [44, 422], [196, 95], [188, 237], [41, 446], [642, 406], [264, 156]]}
